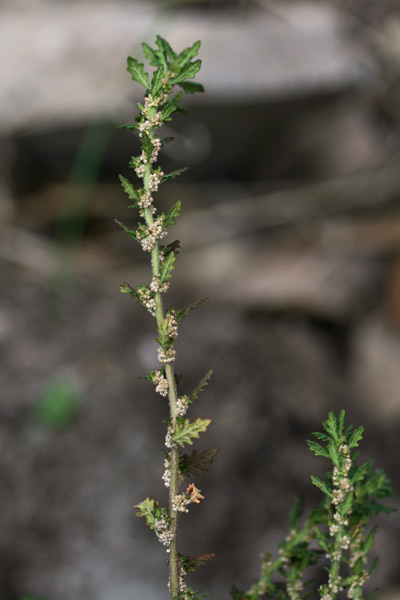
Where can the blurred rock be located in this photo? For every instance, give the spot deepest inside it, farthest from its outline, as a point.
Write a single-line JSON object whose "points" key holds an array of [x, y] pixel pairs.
{"points": [[66, 62]]}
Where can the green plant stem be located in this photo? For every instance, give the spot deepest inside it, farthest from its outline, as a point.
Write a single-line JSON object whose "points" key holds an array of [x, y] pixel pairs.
{"points": [[173, 397]]}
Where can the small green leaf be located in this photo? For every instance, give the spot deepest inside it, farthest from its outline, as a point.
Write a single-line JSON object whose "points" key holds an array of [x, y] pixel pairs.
{"points": [[369, 542], [147, 509], [317, 449], [167, 266], [130, 126], [187, 72], [347, 504], [321, 436], [128, 289], [321, 485], [171, 106], [330, 426], [340, 422], [191, 87], [150, 55], [164, 340], [137, 72], [128, 231], [166, 49], [128, 188], [172, 215], [189, 464], [296, 511], [188, 53], [147, 144], [188, 431], [201, 385], [355, 437], [190, 563], [361, 472], [181, 314], [156, 82], [322, 540], [334, 453], [167, 140], [174, 174]]}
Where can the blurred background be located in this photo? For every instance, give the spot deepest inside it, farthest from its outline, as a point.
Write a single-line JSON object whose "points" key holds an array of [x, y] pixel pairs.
{"points": [[291, 223]]}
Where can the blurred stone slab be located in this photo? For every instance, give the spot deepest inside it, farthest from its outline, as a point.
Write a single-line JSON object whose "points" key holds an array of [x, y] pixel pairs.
{"points": [[66, 62]]}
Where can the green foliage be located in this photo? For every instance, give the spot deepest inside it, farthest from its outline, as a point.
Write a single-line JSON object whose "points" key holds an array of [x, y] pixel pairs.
{"points": [[136, 69], [201, 385], [181, 314], [188, 431], [338, 526], [126, 229], [59, 404], [189, 464], [167, 267], [158, 108], [174, 174], [150, 510]]}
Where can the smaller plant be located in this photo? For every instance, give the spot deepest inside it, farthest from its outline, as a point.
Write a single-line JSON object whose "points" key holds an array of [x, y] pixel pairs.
{"points": [[337, 531], [58, 406]]}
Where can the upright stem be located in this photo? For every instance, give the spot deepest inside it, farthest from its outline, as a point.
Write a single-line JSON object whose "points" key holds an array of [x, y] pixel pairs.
{"points": [[173, 397]]}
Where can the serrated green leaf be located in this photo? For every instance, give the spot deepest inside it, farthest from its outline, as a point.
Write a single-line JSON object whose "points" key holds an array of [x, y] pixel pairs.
{"points": [[369, 541], [167, 140], [130, 126], [172, 215], [188, 53], [174, 174], [345, 507], [321, 436], [190, 563], [361, 472], [128, 188], [317, 449], [147, 510], [181, 314], [330, 426], [128, 231], [151, 55], [147, 144], [188, 431], [201, 385], [355, 437], [321, 538], [137, 72], [191, 87], [156, 82], [128, 289], [188, 71], [163, 338], [334, 452], [296, 511], [340, 422], [321, 485], [166, 49], [189, 464], [171, 106], [167, 266]]}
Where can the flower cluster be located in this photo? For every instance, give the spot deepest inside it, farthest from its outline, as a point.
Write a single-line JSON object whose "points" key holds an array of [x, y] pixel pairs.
{"points": [[148, 236], [166, 356], [161, 383], [182, 405], [181, 501], [163, 532], [146, 297]]}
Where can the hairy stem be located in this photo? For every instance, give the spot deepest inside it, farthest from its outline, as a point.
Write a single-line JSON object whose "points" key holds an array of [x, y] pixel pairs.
{"points": [[172, 396]]}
